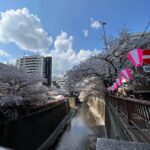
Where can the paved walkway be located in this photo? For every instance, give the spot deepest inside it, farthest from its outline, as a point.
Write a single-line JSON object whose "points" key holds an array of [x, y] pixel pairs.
{"points": [[111, 144]]}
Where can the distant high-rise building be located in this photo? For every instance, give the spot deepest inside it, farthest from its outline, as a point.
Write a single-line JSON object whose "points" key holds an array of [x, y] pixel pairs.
{"points": [[38, 65], [59, 85]]}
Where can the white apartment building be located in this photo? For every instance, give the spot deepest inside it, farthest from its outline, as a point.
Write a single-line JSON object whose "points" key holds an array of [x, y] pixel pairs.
{"points": [[38, 65]]}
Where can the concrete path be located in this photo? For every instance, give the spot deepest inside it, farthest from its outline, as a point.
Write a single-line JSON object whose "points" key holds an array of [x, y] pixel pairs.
{"points": [[111, 144]]}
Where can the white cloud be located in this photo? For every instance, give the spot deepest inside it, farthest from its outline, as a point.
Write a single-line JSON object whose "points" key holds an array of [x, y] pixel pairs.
{"points": [[85, 33], [3, 53], [63, 42], [95, 24], [24, 29], [64, 56], [11, 61], [4, 62]]}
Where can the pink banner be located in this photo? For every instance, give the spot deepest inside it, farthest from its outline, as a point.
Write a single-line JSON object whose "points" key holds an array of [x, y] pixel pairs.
{"points": [[135, 56], [119, 81], [126, 73], [115, 85]]}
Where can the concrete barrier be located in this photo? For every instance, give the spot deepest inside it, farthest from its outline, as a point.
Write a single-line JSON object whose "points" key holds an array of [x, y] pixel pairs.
{"points": [[110, 144], [97, 104], [30, 132]]}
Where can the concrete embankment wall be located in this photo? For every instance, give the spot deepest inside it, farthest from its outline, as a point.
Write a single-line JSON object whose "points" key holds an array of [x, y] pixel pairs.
{"points": [[114, 128], [97, 106], [30, 132]]}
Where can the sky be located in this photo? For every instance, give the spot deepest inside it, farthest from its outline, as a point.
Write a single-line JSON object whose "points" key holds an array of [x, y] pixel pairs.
{"points": [[67, 30]]}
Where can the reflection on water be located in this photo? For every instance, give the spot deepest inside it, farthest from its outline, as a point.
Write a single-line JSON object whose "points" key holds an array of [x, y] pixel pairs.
{"points": [[82, 132]]}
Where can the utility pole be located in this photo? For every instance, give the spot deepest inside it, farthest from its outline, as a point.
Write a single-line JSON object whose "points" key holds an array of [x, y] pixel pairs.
{"points": [[104, 35]]}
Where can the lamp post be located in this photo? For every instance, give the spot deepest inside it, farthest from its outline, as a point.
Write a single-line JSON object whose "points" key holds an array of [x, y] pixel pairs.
{"points": [[104, 34]]}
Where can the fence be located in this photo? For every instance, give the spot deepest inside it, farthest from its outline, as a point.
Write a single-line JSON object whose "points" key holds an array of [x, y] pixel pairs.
{"points": [[30, 132], [142, 87], [136, 112]]}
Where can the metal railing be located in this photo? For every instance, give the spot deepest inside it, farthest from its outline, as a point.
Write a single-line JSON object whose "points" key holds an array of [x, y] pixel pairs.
{"points": [[136, 112], [142, 87]]}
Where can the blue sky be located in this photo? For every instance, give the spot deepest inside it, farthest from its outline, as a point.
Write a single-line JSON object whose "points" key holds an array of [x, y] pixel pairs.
{"points": [[63, 22]]}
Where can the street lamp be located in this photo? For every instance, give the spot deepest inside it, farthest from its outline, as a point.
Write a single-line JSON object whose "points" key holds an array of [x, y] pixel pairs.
{"points": [[104, 34]]}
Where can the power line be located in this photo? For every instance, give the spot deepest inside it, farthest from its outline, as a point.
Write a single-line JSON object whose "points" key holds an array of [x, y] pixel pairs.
{"points": [[145, 29], [142, 35]]}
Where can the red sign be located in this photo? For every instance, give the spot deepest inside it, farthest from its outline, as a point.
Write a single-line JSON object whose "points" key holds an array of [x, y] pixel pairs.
{"points": [[146, 56]]}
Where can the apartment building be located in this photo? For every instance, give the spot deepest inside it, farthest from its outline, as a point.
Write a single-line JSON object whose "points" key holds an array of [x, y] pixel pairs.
{"points": [[38, 65]]}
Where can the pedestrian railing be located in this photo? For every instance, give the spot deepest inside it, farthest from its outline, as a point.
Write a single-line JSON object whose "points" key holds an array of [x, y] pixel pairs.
{"points": [[142, 87], [136, 112]]}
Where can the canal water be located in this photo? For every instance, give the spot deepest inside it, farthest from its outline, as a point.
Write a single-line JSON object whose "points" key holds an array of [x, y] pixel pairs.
{"points": [[82, 132]]}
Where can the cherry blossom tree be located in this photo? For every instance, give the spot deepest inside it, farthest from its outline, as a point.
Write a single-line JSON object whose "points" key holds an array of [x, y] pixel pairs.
{"points": [[94, 86], [17, 88], [106, 66], [16, 82]]}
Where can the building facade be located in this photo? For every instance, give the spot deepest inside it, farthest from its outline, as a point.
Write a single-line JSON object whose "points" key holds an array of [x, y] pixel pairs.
{"points": [[59, 85], [38, 65]]}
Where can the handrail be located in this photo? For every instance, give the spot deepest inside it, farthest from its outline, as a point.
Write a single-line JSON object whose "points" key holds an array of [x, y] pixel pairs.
{"points": [[136, 111], [145, 102]]}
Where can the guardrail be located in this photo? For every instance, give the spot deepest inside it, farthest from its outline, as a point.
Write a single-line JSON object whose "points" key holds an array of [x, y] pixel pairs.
{"points": [[136, 112], [142, 87]]}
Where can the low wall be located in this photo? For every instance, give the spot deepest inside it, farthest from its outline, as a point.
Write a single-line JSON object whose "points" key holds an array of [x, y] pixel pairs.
{"points": [[30, 132], [115, 129], [97, 105], [111, 144]]}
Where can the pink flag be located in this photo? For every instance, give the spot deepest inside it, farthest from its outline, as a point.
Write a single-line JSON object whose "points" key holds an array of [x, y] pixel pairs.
{"points": [[115, 85], [126, 73], [135, 56], [119, 81]]}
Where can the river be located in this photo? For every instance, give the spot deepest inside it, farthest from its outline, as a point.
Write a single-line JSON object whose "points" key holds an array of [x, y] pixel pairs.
{"points": [[82, 132]]}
